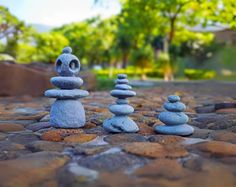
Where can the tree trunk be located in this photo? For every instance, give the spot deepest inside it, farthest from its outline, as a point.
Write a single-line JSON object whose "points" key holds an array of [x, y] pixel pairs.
{"points": [[143, 76], [168, 76], [124, 60], [166, 45], [168, 71], [111, 69]]}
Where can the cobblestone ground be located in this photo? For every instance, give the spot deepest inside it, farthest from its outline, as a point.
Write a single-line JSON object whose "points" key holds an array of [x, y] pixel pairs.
{"points": [[34, 154]]}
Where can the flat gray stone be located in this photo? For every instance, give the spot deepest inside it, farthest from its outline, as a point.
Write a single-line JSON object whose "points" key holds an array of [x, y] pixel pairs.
{"points": [[11, 150], [123, 87], [66, 94], [119, 124], [67, 82], [174, 107], [2, 136], [122, 101], [173, 98], [111, 162], [122, 76], [38, 126], [122, 94], [173, 118], [122, 81], [182, 130], [23, 138], [21, 122], [45, 118], [119, 110]]}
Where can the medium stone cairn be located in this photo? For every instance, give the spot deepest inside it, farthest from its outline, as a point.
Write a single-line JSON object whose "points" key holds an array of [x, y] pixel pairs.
{"points": [[120, 122], [174, 118], [67, 111]]}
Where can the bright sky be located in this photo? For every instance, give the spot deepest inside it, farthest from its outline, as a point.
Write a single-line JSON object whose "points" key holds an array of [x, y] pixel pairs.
{"points": [[58, 12]]}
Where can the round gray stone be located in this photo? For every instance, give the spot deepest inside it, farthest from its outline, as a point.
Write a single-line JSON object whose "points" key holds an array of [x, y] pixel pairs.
{"points": [[123, 87], [173, 98], [118, 124], [67, 50], [122, 76], [122, 101], [120, 110], [182, 130], [66, 94], [173, 118], [174, 107], [122, 81], [67, 82], [67, 114], [122, 94]]}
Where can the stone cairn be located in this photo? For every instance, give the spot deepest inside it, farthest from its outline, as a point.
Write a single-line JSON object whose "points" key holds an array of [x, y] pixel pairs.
{"points": [[174, 118], [120, 122], [67, 111]]}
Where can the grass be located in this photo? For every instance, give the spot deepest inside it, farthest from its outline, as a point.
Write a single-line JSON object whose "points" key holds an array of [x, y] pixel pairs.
{"points": [[104, 83]]}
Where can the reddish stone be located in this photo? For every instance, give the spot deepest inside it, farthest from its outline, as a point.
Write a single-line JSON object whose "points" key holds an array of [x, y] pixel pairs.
{"points": [[226, 111], [216, 148], [144, 129], [166, 139], [155, 150], [225, 136], [80, 138], [8, 127], [167, 168], [59, 134]]}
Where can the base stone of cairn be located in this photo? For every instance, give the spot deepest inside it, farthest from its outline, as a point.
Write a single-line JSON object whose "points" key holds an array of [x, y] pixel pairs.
{"points": [[120, 122], [174, 118], [67, 111]]}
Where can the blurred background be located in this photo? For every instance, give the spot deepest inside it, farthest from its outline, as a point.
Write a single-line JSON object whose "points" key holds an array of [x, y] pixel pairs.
{"points": [[150, 40]]}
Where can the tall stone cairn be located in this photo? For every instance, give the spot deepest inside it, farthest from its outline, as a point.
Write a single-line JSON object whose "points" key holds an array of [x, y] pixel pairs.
{"points": [[120, 122], [67, 111], [174, 118]]}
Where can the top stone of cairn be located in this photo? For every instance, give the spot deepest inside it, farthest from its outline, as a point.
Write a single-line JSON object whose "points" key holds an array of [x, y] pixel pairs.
{"points": [[67, 64], [173, 98]]}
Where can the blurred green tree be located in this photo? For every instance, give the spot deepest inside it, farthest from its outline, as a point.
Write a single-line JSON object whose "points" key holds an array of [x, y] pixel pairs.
{"points": [[143, 59], [12, 31], [91, 40], [48, 46]]}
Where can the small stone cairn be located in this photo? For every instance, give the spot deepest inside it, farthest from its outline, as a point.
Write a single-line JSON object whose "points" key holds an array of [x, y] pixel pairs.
{"points": [[67, 111], [174, 118], [120, 122]]}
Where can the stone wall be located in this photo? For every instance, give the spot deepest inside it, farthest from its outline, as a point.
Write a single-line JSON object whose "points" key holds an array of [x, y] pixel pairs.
{"points": [[34, 79]]}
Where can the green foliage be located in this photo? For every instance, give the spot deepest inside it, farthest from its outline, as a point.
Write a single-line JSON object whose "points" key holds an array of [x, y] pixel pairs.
{"points": [[131, 71], [12, 30], [196, 74], [143, 57], [104, 83], [49, 46], [10, 26], [150, 35], [6, 57], [226, 57], [91, 40], [25, 53]]}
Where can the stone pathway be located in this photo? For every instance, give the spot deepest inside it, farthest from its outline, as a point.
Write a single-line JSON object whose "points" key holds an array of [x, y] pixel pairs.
{"points": [[34, 154]]}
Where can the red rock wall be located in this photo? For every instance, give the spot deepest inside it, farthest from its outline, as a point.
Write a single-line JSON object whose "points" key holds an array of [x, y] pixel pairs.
{"points": [[18, 80]]}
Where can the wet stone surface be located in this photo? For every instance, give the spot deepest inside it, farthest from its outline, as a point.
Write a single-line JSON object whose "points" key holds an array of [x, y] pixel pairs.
{"points": [[33, 153]]}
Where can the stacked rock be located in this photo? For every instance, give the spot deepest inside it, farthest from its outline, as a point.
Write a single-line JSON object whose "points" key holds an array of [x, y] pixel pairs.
{"points": [[174, 118], [67, 111], [120, 122]]}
